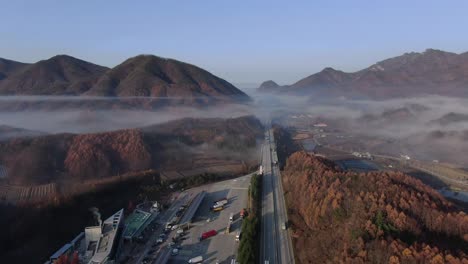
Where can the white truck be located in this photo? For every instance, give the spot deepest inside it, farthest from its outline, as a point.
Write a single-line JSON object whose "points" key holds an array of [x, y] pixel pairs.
{"points": [[198, 259], [220, 203], [260, 170]]}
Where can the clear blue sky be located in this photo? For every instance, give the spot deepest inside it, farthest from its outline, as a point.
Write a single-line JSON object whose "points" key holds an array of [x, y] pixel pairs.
{"points": [[241, 41]]}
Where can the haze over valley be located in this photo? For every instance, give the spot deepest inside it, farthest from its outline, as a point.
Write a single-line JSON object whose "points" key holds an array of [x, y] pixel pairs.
{"points": [[234, 132]]}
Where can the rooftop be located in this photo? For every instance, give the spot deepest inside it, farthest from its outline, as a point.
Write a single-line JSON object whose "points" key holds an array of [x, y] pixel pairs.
{"points": [[190, 212], [109, 231], [134, 222]]}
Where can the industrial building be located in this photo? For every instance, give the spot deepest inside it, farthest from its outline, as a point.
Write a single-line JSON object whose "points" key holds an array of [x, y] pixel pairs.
{"points": [[97, 244]]}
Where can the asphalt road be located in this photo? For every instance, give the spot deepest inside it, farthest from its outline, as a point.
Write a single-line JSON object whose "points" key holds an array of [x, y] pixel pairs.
{"points": [[276, 246]]}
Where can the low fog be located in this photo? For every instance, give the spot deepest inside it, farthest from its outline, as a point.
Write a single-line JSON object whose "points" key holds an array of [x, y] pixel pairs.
{"points": [[414, 122]]}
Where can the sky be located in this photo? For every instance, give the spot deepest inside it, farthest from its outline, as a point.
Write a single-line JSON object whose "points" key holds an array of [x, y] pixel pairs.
{"points": [[244, 42]]}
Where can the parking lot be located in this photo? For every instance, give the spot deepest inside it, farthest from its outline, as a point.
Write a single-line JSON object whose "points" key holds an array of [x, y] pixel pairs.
{"points": [[221, 248], [161, 244]]}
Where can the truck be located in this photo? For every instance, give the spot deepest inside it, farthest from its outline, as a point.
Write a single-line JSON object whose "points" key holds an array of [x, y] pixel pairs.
{"points": [[208, 234], [220, 203], [238, 236], [198, 259], [243, 213], [260, 170], [221, 200], [217, 209]]}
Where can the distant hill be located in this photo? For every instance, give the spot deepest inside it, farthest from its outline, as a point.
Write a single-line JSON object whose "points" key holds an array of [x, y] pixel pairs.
{"points": [[140, 76], [430, 72], [148, 75], [59, 75], [375, 217], [268, 86], [451, 118], [8, 67], [8, 132], [78, 157]]}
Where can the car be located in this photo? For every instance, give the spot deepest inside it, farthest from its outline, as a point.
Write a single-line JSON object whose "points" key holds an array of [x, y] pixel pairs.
{"points": [[159, 241], [174, 227], [174, 252], [172, 244], [180, 231], [283, 226], [163, 236]]}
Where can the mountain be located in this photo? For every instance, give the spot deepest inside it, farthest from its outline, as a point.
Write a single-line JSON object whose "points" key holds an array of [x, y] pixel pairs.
{"points": [[59, 75], [140, 76], [77, 157], [430, 72], [8, 67], [375, 217], [148, 75], [268, 85], [327, 78]]}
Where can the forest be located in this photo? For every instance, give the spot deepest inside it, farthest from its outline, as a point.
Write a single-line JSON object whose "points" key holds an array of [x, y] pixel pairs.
{"points": [[375, 217]]}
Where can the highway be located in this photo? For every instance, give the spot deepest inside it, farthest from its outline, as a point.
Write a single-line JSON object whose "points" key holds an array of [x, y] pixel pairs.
{"points": [[276, 245]]}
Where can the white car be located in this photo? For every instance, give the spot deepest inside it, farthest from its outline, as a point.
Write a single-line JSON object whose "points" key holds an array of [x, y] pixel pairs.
{"points": [[174, 252], [180, 231]]}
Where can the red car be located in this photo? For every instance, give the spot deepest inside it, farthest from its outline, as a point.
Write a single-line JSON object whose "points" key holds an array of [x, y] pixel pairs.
{"points": [[208, 234]]}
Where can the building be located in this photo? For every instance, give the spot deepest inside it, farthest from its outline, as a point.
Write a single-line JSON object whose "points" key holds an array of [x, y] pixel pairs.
{"points": [[136, 223], [97, 244], [107, 247]]}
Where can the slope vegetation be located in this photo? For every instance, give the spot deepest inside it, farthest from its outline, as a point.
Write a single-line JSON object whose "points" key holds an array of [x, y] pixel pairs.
{"points": [[378, 217], [76, 157]]}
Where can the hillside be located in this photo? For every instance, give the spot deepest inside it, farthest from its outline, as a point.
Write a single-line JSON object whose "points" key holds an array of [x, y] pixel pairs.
{"points": [[140, 76], [378, 217], [411, 74], [148, 75], [59, 75], [8, 132], [451, 118], [8, 67], [73, 157], [268, 86]]}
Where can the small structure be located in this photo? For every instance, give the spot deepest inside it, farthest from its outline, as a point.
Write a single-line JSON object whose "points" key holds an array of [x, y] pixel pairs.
{"points": [[136, 223]]}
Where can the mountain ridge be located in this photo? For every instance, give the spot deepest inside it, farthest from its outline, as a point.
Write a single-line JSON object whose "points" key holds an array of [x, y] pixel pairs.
{"points": [[410, 74], [142, 75]]}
